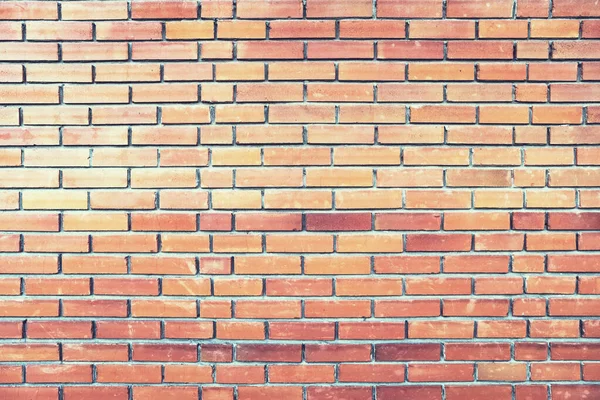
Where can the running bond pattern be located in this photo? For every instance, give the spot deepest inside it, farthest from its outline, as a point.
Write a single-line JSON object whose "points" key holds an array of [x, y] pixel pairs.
{"points": [[300, 200]]}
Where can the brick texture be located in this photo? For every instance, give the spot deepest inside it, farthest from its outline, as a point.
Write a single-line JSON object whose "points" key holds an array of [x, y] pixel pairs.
{"points": [[300, 200]]}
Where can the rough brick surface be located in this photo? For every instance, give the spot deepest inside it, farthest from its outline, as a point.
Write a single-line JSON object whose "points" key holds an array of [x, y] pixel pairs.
{"points": [[300, 200]]}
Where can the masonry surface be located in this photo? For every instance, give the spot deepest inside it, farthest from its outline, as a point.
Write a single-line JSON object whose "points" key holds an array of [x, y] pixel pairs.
{"points": [[300, 200]]}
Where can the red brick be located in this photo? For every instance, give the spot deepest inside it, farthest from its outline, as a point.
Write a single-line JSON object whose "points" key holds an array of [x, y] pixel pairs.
{"points": [[470, 9], [479, 351], [563, 392], [407, 352], [78, 392], [268, 353], [29, 352], [337, 353], [301, 373], [350, 393], [502, 371], [432, 392], [500, 392], [165, 392], [435, 242], [256, 393], [338, 222], [371, 372]]}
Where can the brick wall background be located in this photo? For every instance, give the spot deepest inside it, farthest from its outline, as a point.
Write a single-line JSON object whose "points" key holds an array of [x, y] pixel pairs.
{"points": [[287, 199]]}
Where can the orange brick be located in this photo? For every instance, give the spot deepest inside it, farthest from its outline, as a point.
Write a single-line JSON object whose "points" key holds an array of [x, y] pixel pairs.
{"points": [[77, 94], [379, 113], [389, 92], [409, 9], [58, 31], [442, 29], [164, 51], [442, 114], [168, 10], [217, 93], [582, 50], [372, 29], [479, 93], [15, 10], [411, 134], [441, 329], [301, 70], [343, 50], [94, 10], [34, 178], [502, 29], [32, 94], [502, 71], [127, 73], [496, 156], [217, 9], [217, 50], [62, 244], [339, 8], [533, 8], [55, 199], [557, 114], [555, 28], [402, 50], [267, 9], [269, 92], [504, 114], [532, 50], [97, 221], [128, 30], [301, 29], [11, 73], [94, 51], [370, 71], [10, 157], [28, 52], [241, 30], [489, 49]]}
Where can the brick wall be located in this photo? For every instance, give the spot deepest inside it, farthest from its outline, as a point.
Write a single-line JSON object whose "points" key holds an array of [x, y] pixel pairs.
{"points": [[300, 200]]}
